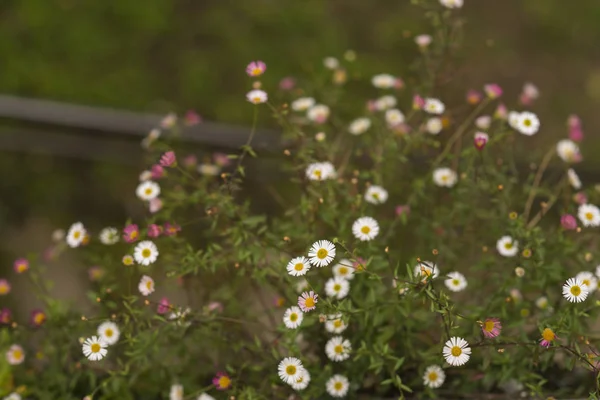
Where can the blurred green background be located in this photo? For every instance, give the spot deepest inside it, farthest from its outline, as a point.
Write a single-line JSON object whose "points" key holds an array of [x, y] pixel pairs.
{"points": [[168, 55]]}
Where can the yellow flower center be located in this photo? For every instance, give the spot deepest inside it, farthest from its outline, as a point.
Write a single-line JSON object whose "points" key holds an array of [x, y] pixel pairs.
{"points": [[310, 302], [456, 351], [433, 376], [425, 271], [488, 326], [339, 349], [290, 370], [299, 267], [21, 267], [337, 323], [375, 196], [224, 382], [337, 287], [77, 234], [587, 282], [322, 253], [146, 253], [256, 71], [365, 230], [527, 122], [257, 99], [455, 282], [293, 317], [342, 271], [589, 216], [17, 354], [39, 318], [109, 332], [318, 173], [575, 290], [445, 178], [148, 191], [3, 288], [548, 335], [338, 386], [508, 245], [149, 285], [95, 348]]}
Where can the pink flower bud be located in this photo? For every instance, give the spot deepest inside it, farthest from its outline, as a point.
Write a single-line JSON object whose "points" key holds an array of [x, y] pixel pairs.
{"points": [[576, 134], [483, 122], [157, 172], [580, 198], [418, 102], [155, 205], [5, 316], [221, 159], [423, 40], [171, 229], [501, 112], [480, 140], [474, 97], [190, 161], [402, 209], [168, 159], [568, 222], [163, 306], [398, 83], [191, 118], [573, 121], [287, 83], [154, 230], [215, 306], [492, 90]]}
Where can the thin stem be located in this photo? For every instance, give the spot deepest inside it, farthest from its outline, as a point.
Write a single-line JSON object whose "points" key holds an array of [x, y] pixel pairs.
{"points": [[536, 182]]}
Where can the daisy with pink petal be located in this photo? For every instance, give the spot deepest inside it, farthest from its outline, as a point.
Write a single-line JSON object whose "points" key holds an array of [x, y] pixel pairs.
{"points": [[131, 233], [307, 301], [21, 265], [256, 68], [491, 327], [548, 336]]}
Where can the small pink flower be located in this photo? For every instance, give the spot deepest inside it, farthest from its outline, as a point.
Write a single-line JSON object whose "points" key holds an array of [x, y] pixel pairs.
{"points": [[278, 301], [492, 90], [163, 306], [548, 336], [95, 273], [215, 306], [154, 230], [49, 253], [21, 265], [372, 106], [221, 159], [38, 317], [573, 122], [256, 68], [5, 316], [171, 229], [155, 205], [529, 94], [483, 122], [222, 381], [474, 97], [307, 301], [402, 209], [491, 327], [580, 198], [168, 159], [568, 222], [190, 161], [398, 83], [576, 134], [480, 140], [525, 100], [191, 118], [501, 112], [287, 83], [418, 102], [359, 264], [423, 40], [4, 287], [131, 233], [168, 121], [157, 172]]}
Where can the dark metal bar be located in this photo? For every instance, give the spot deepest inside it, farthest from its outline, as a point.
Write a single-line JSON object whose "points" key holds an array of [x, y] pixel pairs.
{"points": [[127, 122]]}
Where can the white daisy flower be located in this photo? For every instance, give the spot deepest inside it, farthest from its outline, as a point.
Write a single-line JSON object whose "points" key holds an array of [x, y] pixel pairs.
{"points": [[589, 215], [320, 171], [384, 81], [292, 318], [588, 279], [507, 246], [290, 369], [109, 332], [15, 355], [542, 302], [303, 103], [426, 269], [452, 3], [321, 253], [574, 179], [365, 229], [433, 125], [423, 40], [145, 252], [457, 351], [337, 386], [257, 96], [337, 287], [434, 376], [331, 62], [176, 392], [575, 291], [109, 236], [318, 113], [434, 106], [302, 381], [513, 119], [76, 234], [528, 123], [335, 324], [385, 103], [94, 348], [13, 396], [456, 282], [344, 269], [376, 195], [394, 117], [179, 317], [483, 122], [146, 285], [359, 126], [147, 190], [568, 150], [444, 177], [338, 349], [205, 396], [298, 266]]}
